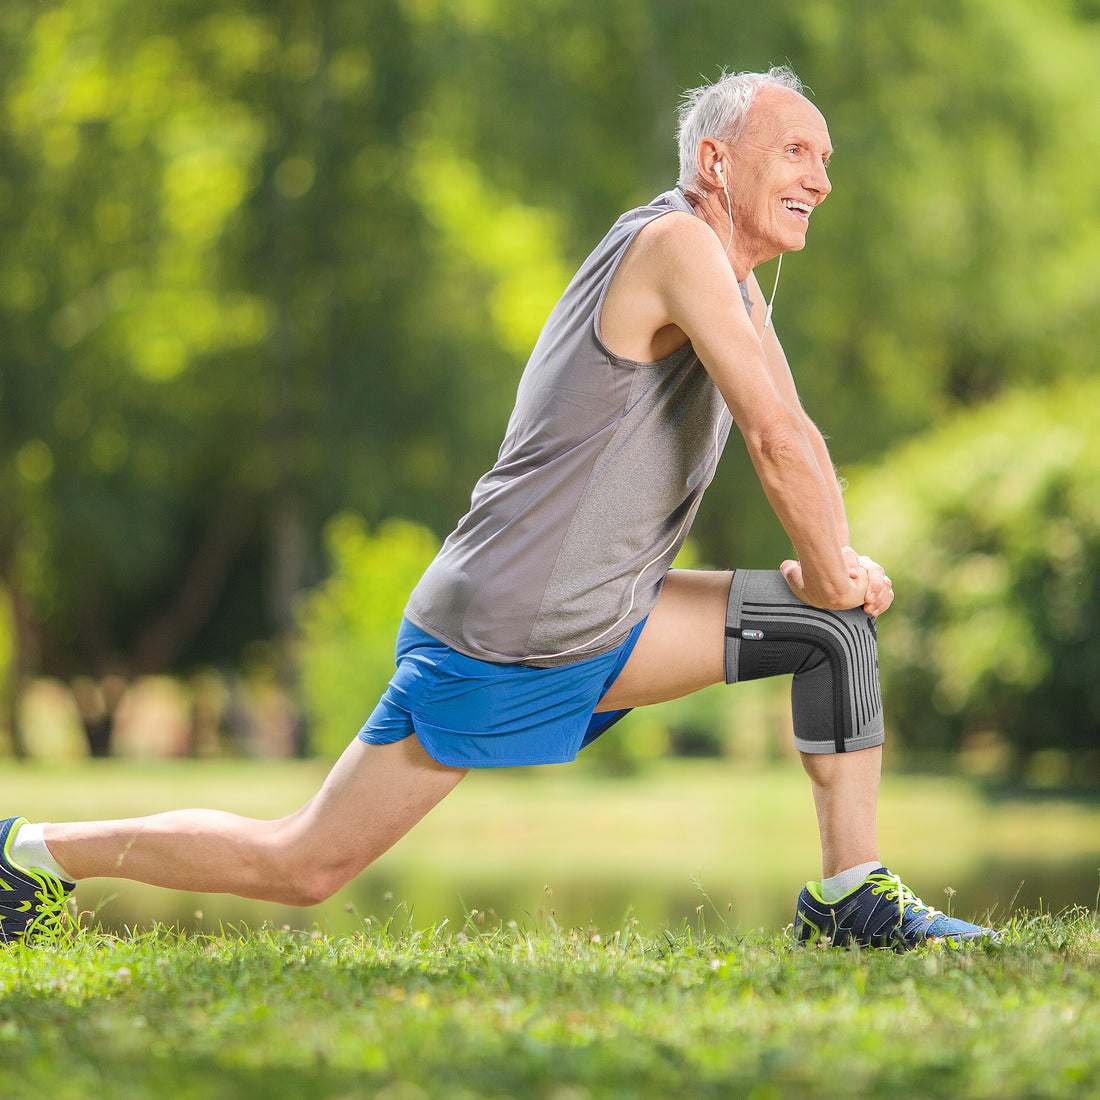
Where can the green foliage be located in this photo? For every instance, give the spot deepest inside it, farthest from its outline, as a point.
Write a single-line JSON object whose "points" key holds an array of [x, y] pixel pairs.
{"points": [[484, 1011], [957, 254], [348, 623], [964, 250], [7, 653], [133, 164], [265, 263], [990, 530]]}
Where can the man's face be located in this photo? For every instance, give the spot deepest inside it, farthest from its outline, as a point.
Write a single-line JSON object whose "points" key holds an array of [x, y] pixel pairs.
{"points": [[776, 175]]}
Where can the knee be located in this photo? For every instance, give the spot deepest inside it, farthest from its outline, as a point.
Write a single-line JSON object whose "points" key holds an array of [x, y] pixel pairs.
{"points": [[305, 885], [301, 873]]}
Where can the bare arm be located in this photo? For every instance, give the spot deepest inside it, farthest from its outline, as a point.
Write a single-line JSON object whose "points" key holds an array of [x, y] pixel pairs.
{"points": [[696, 291], [784, 382], [879, 593]]}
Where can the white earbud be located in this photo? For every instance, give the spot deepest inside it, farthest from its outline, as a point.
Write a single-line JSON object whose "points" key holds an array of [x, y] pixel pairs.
{"points": [[718, 171]]}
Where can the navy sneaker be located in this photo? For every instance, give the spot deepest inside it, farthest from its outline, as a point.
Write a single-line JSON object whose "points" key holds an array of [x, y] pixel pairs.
{"points": [[880, 912], [32, 903]]}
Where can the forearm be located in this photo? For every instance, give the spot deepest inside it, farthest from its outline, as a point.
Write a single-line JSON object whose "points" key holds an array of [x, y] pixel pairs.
{"points": [[803, 499], [784, 383], [878, 593], [832, 482]]}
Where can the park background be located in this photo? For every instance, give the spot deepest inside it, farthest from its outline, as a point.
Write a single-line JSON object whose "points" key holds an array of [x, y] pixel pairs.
{"points": [[269, 273]]}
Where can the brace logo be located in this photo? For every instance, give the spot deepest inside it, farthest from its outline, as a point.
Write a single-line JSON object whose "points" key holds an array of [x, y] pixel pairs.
{"points": [[752, 635]]}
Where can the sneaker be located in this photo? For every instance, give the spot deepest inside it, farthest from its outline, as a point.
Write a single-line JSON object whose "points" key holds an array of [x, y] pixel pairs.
{"points": [[880, 912], [31, 902]]}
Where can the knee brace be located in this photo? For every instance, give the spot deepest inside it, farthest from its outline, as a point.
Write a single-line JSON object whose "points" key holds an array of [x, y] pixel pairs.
{"points": [[835, 698]]}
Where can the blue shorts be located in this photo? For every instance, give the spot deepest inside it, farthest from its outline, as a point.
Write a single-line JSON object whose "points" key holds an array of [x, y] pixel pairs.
{"points": [[477, 714]]}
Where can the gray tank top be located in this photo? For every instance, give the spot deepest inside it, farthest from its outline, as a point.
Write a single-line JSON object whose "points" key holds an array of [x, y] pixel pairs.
{"points": [[569, 536]]}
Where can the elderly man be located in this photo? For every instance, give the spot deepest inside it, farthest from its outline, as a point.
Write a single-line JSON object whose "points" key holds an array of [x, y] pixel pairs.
{"points": [[552, 609]]}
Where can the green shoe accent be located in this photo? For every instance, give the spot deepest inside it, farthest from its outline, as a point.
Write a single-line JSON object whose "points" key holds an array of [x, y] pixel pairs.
{"points": [[33, 904]]}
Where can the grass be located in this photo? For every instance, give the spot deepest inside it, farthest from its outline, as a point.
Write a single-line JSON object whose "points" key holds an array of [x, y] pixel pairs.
{"points": [[495, 1011], [552, 1001]]}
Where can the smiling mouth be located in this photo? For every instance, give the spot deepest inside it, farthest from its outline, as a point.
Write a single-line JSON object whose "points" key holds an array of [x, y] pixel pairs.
{"points": [[799, 209]]}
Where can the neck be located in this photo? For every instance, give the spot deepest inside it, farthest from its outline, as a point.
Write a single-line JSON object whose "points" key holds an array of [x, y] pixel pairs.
{"points": [[712, 207]]}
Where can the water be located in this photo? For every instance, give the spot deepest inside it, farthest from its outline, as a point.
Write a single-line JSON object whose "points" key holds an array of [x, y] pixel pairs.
{"points": [[409, 901]]}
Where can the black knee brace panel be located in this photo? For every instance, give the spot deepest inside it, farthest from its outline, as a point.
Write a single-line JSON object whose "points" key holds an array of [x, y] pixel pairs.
{"points": [[835, 697]]}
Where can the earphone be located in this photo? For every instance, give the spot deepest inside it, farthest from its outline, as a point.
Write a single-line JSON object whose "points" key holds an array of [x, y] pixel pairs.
{"points": [[729, 209], [729, 206], [768, 314], [720, 421]]}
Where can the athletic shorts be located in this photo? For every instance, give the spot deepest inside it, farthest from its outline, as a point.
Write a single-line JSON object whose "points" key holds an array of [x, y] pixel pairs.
{"points": [[478, 714]]}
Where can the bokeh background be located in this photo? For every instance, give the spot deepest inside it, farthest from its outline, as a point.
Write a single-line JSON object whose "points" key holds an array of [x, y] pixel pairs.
{"points": [[269, 272]]}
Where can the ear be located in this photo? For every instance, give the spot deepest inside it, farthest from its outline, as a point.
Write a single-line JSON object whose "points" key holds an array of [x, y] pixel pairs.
{"points": [[709, 161]]}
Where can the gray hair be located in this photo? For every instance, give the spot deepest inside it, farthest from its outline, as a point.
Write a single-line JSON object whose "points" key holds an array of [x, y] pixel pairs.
{"points": [[719, 110]]}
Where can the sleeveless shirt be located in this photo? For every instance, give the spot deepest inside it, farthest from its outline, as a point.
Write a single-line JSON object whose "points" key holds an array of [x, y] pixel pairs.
{"points": [[603, 465]]}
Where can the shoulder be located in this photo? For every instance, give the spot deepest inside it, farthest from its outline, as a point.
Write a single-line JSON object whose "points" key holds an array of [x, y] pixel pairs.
{"points": [[678, 230], [679, 258], [677, 244]]}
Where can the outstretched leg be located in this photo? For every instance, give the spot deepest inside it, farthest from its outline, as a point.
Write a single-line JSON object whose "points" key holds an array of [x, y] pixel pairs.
{"points": [[371, 798]]}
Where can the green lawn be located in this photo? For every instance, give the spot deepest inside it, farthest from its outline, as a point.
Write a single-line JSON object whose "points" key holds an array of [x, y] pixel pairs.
{"points": [[496, 1012], [557, 989]]}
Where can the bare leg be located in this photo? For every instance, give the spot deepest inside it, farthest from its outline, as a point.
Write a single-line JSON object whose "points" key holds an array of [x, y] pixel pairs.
{"points": [[682, 649], [845, 789], [682, 646], [371, 798]]}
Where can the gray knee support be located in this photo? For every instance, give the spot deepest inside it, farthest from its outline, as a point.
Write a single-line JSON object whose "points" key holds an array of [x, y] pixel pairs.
{"points": [[835, 697]]}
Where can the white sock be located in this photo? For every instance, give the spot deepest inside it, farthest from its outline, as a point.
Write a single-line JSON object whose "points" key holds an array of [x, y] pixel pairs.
{"points": [[833, 889], [28, 850]]}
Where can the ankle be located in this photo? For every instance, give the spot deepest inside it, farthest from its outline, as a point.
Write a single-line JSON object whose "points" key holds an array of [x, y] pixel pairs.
{"points": [[837, 886], [29, 851]]}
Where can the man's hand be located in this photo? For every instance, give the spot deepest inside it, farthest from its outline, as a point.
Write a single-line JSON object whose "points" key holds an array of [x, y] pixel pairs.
{"points": [[880, 589], [855, 595], [870, 584]]}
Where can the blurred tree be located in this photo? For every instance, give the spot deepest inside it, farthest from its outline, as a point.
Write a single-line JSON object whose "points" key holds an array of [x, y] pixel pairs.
{"points": [[120, 515], [348, 623], [958, 253], [973, 251], [990, 529], [267, 260], [8, 684]]}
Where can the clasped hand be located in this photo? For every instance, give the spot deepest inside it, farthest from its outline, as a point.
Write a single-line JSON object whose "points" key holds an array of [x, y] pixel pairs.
{"points": [[867, 577], [880, 589]]}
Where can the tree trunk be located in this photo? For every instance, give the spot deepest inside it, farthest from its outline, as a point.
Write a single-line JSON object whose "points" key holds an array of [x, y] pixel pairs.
{"points": [[23, 664]]}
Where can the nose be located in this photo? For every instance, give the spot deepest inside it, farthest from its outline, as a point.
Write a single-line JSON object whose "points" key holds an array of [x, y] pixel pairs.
{"points": [[818, 181]]}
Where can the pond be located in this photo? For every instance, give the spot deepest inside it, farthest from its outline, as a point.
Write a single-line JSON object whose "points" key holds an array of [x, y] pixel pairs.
{"points": [[408, 900]]}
